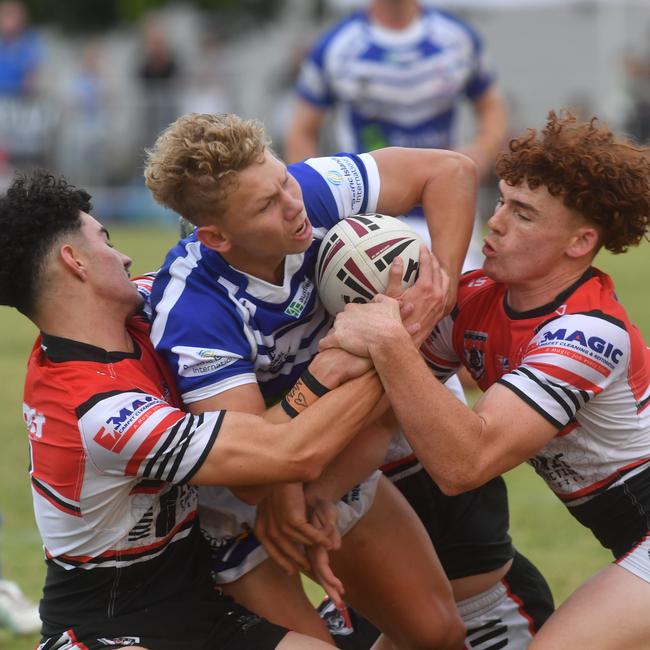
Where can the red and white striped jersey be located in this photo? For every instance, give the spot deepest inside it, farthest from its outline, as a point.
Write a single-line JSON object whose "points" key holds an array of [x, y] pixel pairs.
{"points": [[578, 361], [110, 460]]}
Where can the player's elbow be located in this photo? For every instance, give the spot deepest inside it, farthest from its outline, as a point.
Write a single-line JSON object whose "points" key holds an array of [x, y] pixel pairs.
{"points": [[458, 164], [458, 480]]}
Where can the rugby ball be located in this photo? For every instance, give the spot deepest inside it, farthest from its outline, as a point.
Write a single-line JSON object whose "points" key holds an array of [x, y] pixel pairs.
{"points": [[355, 256]]}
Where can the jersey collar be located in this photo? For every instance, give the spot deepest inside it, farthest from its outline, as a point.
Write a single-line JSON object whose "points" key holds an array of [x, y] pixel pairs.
{"points": [[59, 350], [550, 307]]}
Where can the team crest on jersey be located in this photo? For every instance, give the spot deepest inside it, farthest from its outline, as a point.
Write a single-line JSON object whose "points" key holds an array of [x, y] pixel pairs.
{"points": [[300, 299], [474, 352]]}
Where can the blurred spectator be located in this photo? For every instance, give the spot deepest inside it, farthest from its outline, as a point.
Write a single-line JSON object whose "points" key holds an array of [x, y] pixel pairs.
{"points": [[206, 89], [158, 73], [16, 612], [85, 138], [637, 72], [20, 51], [26, 123]]}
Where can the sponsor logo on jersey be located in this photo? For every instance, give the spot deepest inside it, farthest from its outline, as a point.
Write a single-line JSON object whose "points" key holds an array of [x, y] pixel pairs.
{"points": [[300, 299], [556, 471], [604, 349], [118, 429], [474, 352], [334, 177], [351, 174], [196, 362], [34, 420]]}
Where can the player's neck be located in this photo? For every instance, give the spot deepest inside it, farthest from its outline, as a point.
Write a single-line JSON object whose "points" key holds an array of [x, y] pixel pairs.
{"points": [[90, 324], [270, 270], [534, 294], [394, 14]]}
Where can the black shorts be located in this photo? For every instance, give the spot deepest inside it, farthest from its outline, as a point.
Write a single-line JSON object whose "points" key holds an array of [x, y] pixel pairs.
{"points": [[469, 531], [207, 623], [509, 621]]}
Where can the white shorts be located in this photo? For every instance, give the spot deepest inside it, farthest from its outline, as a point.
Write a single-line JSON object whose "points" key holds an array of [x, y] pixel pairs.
{"points": [[494, 619], [637, 561], [227, 524]]}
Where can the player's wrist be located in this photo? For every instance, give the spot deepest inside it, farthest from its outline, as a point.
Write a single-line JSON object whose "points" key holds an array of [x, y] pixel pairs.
{"points": [[326, 368], [388, 341], [305, 392]]}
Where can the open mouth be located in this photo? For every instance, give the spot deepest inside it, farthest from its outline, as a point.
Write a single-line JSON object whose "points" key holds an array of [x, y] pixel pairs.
{"points": [[487, 250], [304, 230]]}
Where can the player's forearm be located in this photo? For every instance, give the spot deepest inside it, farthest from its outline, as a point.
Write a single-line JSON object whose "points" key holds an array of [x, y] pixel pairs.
{"points": [[355, 463], [321, 432], [304, 132], [491, 128], [444, 434], [330, 368], [449, 203], [300, 144]]}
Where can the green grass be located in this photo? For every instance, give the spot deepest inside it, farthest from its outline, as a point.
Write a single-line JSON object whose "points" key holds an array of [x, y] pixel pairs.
{"points": [[541, 527]]}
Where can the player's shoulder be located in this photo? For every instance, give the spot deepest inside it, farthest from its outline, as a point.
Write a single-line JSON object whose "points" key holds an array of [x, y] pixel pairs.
{"points": [[346, 29], [445, 24], [192, 275], [595, 335], [475, 285]]}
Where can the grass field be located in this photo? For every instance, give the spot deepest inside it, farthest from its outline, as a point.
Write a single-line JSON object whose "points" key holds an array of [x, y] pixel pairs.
{"points": [[541, 527]]}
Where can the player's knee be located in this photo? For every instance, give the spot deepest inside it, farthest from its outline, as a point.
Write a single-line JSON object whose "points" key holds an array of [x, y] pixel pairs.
{"points": [[447, 633]]}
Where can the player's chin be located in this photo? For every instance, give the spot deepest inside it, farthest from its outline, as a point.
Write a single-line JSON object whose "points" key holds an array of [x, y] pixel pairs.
{"points": [[301, 245]]}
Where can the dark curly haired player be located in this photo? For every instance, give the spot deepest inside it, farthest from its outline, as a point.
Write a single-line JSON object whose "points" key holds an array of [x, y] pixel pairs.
{"points": [[114, 462]]}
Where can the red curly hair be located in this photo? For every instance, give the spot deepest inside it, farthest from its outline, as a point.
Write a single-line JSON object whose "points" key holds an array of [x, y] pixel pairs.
{"points": [[604, 178]]}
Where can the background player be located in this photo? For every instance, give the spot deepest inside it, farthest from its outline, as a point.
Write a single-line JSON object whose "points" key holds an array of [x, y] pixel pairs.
{"points": [[396, 74], [542, 332]]}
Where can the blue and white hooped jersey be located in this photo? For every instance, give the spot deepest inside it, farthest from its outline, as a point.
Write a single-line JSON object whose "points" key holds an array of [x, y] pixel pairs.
{"points": [[219, 328], [395, 87]]}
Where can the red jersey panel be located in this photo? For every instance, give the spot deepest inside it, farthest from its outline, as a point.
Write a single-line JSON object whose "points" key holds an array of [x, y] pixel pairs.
{"points": [[578, 361], [111, 454]]}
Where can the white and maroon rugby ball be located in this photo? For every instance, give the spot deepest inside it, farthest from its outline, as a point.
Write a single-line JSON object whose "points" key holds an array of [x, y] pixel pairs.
{"points": [[355, 256]]}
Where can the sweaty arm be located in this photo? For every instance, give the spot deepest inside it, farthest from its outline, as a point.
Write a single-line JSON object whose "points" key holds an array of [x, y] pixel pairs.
{"points": [[444, 183], [304, 131]]}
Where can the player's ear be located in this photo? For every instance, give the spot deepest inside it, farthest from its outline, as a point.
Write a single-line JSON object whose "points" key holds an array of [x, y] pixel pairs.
{"points": [[212, 237], [72, 260], [585, 241]]}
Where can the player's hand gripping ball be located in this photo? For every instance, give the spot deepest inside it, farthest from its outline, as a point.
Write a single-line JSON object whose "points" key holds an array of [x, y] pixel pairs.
{"points": [[355, 256]]}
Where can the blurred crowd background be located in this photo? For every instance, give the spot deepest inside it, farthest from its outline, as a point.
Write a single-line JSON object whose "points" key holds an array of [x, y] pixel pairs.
{"points": [[85, 87]]}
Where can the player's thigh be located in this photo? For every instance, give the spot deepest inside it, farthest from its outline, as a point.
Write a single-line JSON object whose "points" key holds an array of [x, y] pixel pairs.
{"points": [[608, 612], [280, 598], [387, 563]]}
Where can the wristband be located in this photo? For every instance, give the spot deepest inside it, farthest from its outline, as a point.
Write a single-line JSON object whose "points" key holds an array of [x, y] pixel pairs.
{"points": [[302, 394]]}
